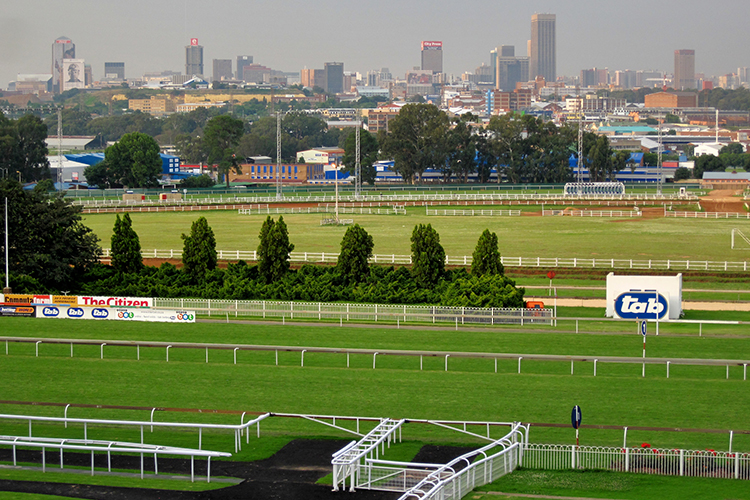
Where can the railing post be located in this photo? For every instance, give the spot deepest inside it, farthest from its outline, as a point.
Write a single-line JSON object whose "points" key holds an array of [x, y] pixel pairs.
{"points": [[519, 364], [682, 462], [627, 460]]}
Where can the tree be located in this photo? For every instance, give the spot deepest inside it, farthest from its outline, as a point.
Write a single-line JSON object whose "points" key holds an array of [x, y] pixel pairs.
{"points": [[197, 181], [125, 246], [603, 161], [734, 148], [506, 140], [681, 174], [486, 256], [133, 161], [462, 149], [428, 256], [356, 251], [46, 239], [22, 147], [191, 149], [199, 250], [707, 163], [416, 140], [368, 150], [274, 250], [221, 137]]}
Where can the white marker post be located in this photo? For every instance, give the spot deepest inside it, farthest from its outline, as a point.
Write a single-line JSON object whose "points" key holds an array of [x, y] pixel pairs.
{"points": [[644, 325]]}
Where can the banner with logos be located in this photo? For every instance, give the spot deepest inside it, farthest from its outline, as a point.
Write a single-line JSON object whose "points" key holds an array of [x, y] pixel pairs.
{"points": [[28, 311], [119, 314]]}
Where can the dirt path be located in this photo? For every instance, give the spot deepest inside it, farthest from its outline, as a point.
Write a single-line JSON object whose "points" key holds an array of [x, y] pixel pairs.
{"points": [[723, 200]]}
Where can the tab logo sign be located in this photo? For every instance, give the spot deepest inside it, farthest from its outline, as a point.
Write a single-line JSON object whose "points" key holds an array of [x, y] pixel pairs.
{"points": [[75, 312], [641, 305], [99, 313], [51, 312]]}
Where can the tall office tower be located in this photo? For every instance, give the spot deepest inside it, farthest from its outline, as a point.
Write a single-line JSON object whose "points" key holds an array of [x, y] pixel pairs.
{"points": [[684, 69], [742, 72], [543, 47], [194, 58], [222, 70], [594, 77], [501, 51], [88, 74], [114, 70], [334, 77], [432, 56], [509, 69], [63, 48], [243, 61]]}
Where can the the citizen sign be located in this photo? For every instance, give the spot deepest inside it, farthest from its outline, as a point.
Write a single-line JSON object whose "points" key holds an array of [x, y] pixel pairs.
{"points": [[641, 305]]}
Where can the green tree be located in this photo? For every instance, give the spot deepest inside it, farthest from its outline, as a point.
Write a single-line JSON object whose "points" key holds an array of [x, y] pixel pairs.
{"points": [[45, 185], [428, 256], [506, 142], [603, 161], [191, 149], [707, 163], [197, 181], [22, 148], [126, 246], [274, 250], [368, 150], [74, 122], [486, 256], [416, 140], [681, 174], [462, 149], [733, 148], [221, 138], [199, 250], [46, 238], [133, 161], [356, 251], [490, 290]]}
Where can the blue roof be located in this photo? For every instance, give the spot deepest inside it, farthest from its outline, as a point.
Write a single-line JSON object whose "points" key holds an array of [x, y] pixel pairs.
{"points": [[631, 129], [87, 158], [331, 175]]}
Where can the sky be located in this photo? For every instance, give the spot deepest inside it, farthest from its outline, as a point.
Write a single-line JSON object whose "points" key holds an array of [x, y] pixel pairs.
{"points": [[288, 35]]}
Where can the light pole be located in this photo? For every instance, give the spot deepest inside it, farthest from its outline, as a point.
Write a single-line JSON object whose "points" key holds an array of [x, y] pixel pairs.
{"points": [[19, 176], [7, 288]]}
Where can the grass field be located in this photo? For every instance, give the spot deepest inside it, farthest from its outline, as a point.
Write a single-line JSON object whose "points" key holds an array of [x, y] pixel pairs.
{"points": [[680, 239]]}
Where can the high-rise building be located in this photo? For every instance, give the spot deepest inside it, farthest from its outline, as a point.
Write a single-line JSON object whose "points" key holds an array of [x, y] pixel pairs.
{"points": [[594, 77], [62, 48], [543, 47], [509, 69], [432, 56], [243, 61], [312, 78], [684, 69], [114, 70], [501, 51], [625, 79], [222, 70], [334, 77], [194, 58], [742, 72]]}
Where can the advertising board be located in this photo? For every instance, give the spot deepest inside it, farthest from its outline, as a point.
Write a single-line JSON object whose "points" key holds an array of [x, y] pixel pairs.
{"points": [[28, 311], [116, 301], [644, 297], [116, 314]]}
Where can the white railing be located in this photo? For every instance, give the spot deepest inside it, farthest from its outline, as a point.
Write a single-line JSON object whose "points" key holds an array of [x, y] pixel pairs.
{"points": [[668, 462], [322, 210], [348, 461], [361, 312], [460, 476], [108, 447], [592, 213], [707, 215], [465, 260], [480, 212]]}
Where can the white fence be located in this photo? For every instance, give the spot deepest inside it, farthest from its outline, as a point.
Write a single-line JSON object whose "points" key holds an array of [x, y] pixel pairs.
{"points": [[396, 210], [706, 215], [667, 462], [511, 213], [361, 312], [465, 260], [593, 213]]}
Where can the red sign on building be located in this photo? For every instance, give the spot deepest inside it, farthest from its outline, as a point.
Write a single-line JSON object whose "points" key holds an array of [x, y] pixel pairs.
{"points": [[193, 41]]}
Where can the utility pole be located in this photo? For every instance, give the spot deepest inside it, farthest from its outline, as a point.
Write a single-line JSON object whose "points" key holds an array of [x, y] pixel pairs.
{"points": [[658, 161], [59, 149], [579, 177], [7, 288], [279, 194], [358, 166]]}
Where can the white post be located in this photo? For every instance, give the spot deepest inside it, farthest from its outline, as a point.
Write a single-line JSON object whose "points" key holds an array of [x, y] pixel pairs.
{"points": [[373, 360], [519, 363], [595, 367], [625, 437], [446, 361], [668, 363]]}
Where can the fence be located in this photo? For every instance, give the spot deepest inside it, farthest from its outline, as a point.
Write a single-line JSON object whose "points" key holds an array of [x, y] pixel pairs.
{"points": [[511, 213], [465, 260], [675, 462], [593, 213], [451, 482], [361, 312], [706, 215], [323, 210]]}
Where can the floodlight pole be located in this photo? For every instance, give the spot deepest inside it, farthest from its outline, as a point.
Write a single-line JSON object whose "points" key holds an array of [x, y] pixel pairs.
{"points": [[658, 163], [358, 166], [279, 194], [7, 272]]}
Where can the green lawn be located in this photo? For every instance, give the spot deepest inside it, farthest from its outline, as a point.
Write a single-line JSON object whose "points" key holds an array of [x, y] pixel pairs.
{"points": [[518, 236]]}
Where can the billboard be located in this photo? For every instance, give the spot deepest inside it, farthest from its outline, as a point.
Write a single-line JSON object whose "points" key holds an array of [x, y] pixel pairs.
{"points": [[28, 311], [116, 314], [432, 45], [17, 298], [644, 297], [105, 301], [73, 74], [115, 301], [193, 41]]}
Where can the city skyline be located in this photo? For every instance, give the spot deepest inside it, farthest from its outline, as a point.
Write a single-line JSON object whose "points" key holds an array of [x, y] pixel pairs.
{"points": [[151, 36]]}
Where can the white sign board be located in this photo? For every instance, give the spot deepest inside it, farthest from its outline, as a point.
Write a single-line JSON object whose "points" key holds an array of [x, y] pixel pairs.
{"points": [[118, 314], [644, 297]]}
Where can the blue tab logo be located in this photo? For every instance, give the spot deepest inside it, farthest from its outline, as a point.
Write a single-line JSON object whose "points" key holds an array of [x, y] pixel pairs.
{"points": [[641, 305], [51, 312], [75, 312], [99, 313]]}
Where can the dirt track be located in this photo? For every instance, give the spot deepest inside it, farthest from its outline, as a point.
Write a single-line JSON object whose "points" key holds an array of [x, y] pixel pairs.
{"points": [[723, 200]]}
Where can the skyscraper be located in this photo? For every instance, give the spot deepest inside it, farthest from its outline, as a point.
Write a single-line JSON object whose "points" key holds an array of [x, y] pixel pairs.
{"points": [[432, 56], [194, 58], [222, 70], [62, 48], [243, 61], [684, 69], [543, 47], [509, 69], [114, 70], [334, 77]]}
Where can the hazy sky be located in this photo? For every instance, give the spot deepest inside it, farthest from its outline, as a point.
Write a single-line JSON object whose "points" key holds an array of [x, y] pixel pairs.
{"points": [[150, 35]]}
